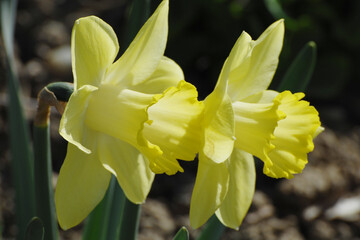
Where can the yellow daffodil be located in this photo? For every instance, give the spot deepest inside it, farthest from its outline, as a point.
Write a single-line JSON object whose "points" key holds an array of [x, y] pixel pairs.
{"points": [[132, 118], [242, 119]]}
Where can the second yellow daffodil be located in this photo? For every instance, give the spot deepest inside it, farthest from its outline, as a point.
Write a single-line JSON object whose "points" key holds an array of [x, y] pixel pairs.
{"points": [[132, 118], [242, 119]]}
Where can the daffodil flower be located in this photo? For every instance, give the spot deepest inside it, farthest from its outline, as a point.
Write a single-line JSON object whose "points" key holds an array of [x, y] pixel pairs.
{"points": [[241, 120], [132, 118]]}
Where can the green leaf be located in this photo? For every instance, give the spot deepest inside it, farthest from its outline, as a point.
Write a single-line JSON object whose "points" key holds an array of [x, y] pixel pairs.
{"points": [[98, 220], [35, 229], [212, 230], [104, 221], [8, 15], [139, 13], [274, 7], [277, 11], [21, 155], [182, 234], [129, 225], [45, 208], [298, 75], [115, 219]]}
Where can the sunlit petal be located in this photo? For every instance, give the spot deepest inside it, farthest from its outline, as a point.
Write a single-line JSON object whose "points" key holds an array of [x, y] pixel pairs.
{"points": [[266, 96], [72, 126], [255, 62], [293, 136], [241, 189], [118, 112], [81, 185], [144, 53], [129, 166], [211, 186], [255, 124], [167, 74], [94, 46], [218, 125], [218, 122]]}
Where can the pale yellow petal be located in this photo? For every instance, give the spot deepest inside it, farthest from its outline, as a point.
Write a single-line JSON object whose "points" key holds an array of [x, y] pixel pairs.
{"points": [[72, 126], [211, 186], [254, 63], [122, 113], [266, 96], [241, 189], [118, 112], [94, 46], [144, 53], [81, 185], [167, 74], [129, 166], [255, 124], [293, 136], [218, 127]]}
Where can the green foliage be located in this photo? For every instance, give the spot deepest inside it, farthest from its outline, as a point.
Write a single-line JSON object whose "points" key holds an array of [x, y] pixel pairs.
{"points": [[299, 74], [212, 230], [182, 234], [21, 155], [104, 221], [35, 229]]}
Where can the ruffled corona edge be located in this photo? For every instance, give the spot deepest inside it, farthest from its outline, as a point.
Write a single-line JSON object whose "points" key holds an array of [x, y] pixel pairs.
{"points": [[293, 136]]}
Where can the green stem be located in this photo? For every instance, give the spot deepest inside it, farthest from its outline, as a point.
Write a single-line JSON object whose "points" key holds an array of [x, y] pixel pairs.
{"points": [[45, 208]]}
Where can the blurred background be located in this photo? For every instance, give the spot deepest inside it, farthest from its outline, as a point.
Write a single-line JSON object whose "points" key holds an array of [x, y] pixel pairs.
{"points": [[321, 203]]}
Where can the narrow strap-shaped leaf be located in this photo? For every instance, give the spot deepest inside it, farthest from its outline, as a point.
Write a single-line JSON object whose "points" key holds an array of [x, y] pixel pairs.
{"points": [[45, 208], [96, 225], [115, 218], [212, 230], [275, 9], [139, 13], [182, 234], [21, 155], [298, 75], [129, 225], [35, 229]]}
